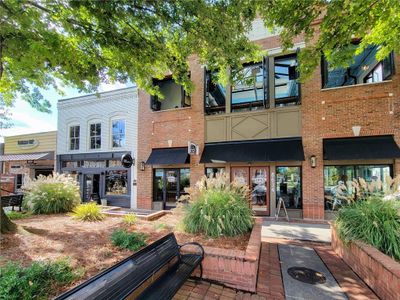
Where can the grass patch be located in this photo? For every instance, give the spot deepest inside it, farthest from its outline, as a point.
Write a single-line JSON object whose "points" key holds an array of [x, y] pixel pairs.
{"points": [[15, 215], [90, 212], [130, 219], [123, 239], [37, 281]]}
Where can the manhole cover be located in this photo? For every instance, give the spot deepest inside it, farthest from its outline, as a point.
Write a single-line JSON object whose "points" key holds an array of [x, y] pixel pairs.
{"points": [[306, 275]]}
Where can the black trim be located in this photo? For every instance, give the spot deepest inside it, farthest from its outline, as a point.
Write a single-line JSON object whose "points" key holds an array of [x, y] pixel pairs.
{"points": [[168, 156]]}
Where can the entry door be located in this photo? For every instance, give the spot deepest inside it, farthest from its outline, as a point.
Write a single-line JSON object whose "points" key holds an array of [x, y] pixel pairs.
{"points": [[259, 185], [171, 187], [91, 187]]}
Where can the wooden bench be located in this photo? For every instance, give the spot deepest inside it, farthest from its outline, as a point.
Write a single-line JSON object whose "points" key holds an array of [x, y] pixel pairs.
{"points": [[12, 200], [155, 272]]}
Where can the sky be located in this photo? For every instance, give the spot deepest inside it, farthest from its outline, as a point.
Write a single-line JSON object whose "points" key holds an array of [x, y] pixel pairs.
{"points": [[26, 119]]}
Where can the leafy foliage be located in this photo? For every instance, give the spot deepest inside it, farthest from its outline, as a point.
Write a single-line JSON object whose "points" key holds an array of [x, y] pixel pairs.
{"points": [[130, 219], [123, 239], [88, 212], [15, 215], [218, 208], [36, 281], [372, 221], [57, 193]]}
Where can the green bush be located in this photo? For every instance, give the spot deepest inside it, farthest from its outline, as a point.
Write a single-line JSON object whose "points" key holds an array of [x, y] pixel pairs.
{"points": [[15, 215], [36, 281], [374, 222], [57, 193], [218, 208], [88, 212], [123, 239], [130, 219]]}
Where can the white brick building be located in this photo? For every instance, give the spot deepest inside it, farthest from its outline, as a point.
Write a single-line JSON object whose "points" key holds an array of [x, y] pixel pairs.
{"points": [[94, 131]]}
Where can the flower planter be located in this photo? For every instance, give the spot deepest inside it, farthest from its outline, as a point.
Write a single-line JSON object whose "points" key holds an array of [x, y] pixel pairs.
{"points": [[379, 271], [234, 268]]}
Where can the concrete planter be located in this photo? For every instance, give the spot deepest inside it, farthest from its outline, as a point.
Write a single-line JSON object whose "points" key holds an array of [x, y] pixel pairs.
{"points": [[379, 271], [234, 268]]}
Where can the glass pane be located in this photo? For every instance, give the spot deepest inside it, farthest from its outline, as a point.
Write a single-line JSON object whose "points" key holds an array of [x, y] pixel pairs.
{"points": [[158, 185], [248, 92], [211, 172], [286, 80], [171, 187], [118, 133], [288, 186], [259, 188], [117, 182], [184, 180], [172, 93], [215, 98]]}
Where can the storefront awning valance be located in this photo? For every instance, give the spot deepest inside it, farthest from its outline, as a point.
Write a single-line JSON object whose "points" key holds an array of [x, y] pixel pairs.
{"points": [[369, 147], [287, 149], [27, 156], [168, 156]]}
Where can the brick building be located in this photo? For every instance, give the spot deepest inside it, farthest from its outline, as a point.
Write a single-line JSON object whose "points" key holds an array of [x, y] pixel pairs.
{"points": [[298, 142]]}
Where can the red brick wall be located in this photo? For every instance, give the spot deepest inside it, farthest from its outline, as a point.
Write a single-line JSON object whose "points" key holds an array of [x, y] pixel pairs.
{"points": [[179, 125], [379, 271]]}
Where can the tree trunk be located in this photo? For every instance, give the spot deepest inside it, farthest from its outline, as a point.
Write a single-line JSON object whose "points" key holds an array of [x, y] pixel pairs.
{"points": [[6, 226]]}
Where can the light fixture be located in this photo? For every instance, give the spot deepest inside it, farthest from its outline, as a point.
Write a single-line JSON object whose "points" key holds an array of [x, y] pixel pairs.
{"points": [[142, 166], [356, 130], [169, 143], [313, 161]]}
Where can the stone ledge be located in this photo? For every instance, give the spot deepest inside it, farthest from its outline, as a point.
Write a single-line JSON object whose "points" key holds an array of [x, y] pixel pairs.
{"points": [[379, 271]]}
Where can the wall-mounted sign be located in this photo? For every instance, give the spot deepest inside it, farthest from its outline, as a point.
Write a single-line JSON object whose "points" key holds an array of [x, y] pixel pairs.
{"points": [[6, 179], [193, 149], [127, 161]]}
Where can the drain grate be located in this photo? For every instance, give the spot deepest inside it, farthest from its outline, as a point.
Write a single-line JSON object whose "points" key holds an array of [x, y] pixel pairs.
{"points": [[306, 275]]}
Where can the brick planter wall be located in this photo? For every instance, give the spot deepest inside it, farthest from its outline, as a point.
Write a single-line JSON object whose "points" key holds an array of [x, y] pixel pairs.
{"points": [[234, 268], [379, 271]]}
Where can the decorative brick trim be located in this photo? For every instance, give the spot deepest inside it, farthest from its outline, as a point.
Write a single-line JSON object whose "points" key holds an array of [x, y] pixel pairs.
{"points": [[379, 271], [234, 268]]}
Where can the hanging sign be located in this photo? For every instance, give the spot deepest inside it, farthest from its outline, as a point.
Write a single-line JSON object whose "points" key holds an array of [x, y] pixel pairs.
{"points": [[126, 160]]}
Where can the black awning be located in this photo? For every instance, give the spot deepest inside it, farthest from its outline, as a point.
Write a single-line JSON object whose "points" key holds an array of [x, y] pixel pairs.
{"points": [[168, 156], [369, 147], [288, 149]]}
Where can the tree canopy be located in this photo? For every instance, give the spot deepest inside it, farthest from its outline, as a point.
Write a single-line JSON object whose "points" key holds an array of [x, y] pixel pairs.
{"points": [[82, 43]]}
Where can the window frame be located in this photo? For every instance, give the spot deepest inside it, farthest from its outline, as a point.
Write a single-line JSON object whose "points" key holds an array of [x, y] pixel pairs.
{"points": [[220, 109], [154, 102], [117, 119], [95, 136], [75, 138], [19, 185]]}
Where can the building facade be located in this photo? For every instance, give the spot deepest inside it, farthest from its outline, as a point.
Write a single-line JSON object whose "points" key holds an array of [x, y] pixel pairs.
{"points": [[298, 142], [94, 132], [27, 156]]}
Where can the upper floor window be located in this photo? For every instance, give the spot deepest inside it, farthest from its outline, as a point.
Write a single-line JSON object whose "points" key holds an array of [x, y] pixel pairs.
{"points": [[364, 68], [250, 89], [174, 96], [118, 133], [74, 137], [215, 96], [25, 142], [285, 78], [95, 136]]}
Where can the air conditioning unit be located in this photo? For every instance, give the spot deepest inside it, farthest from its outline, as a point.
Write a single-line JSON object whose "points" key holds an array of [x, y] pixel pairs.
{"points": [[193, 149]]}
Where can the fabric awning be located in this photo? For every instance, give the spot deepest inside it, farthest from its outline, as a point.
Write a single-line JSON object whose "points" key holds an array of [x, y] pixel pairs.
{"points": [[287, 149], [168, 156], [26, 156], [369, 147]]}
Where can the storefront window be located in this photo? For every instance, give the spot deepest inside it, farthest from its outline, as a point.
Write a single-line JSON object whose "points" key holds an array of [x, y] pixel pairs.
{"points": [[19, 181], [211, 172], [94, 164], [184, 180], [158, 185], [338, 181], [288, 186], [117, 182]]}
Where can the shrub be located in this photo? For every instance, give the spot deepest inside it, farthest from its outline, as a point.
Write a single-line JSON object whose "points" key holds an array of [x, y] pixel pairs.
{"points": [[218, 208], [57, 193], [374, 222], [123, 239], [36, 281], [14, 215], [88, 212], [130, 219]]}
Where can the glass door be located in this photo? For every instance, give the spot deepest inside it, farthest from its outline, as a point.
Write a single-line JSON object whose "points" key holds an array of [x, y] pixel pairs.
{"points": [[171, 188], [91, 187], [259, 186]]}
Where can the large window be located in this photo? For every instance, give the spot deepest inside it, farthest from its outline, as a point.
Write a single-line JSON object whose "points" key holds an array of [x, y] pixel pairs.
{"points": [[364, 68], [285, 78], [118, 133], [74, 132], [95, 136], [174, 95], [288, 186], [249, 92], [212, 171], [117, 182], [215, 95], [338, 181]]}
